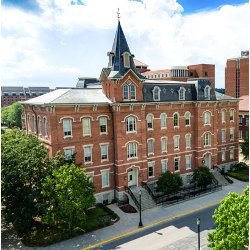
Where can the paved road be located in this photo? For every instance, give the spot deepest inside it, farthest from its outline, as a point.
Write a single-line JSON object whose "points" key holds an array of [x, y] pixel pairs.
{"points": [[163, 234]]}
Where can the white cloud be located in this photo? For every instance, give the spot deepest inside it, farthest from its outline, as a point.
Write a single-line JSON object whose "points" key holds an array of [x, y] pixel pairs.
{"points": [[66, 41]]}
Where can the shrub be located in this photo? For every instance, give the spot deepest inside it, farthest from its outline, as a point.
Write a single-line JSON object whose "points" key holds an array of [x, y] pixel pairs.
{"points": [[202, 176], [240, 165]]}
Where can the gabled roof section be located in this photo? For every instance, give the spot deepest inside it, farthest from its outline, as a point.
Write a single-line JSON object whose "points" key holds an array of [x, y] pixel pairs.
{"points": [[120, 46]]}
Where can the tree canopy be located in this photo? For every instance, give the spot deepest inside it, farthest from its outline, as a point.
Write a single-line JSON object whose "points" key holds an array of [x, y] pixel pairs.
{"points": [[232, 221], [245, 147], [25, 164], [202, 176], [169, 183], [12, 116], [68, 193]]}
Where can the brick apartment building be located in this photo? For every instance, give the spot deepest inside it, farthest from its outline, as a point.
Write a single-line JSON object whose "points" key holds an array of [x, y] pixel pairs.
{"points": [[237, 76], [243, 116], [133, 128]]}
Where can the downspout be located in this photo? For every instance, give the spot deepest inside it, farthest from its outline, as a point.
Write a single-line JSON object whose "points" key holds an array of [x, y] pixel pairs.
{"points": [[32, 107], [113, 130]]}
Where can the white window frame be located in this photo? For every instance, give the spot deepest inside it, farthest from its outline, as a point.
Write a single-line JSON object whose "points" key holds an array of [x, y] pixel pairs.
{"points": [[223, 115], [71, 134], [186, 140], [240, 134], [163, 121], [45, 127], [149, 141], [178, 122], [91, 153], [159, 93], [240, 120], [164, 144], [178, 142], [126, 59], [151, 165], [182, 98], [106, 125], [132, 85], [29, 122], [107, 149], [125, 99], [134, 147], [247, 121], [90, 176], [164, 162], [207, 141], [231, 110], [225, 136], [207, 118], [40, 125], [188, 156], [150, 115], [34, 124], [103, 172], [84, 132], [231, 135], [134, 128], [223, 154], [179, 160], [207, 90], [69, 148], [187, 118], [231, 150]]}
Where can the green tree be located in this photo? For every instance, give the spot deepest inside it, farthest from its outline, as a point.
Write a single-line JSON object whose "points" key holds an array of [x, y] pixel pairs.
{"points": [[232, 221], [202, 176], [69, 194], [25, 164], [245, 147], [12, 116], [5, 116], [169, 183]]}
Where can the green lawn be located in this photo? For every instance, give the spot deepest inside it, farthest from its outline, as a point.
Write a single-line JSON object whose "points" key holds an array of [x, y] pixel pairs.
{"points": [[43, 235], [242, 175]]}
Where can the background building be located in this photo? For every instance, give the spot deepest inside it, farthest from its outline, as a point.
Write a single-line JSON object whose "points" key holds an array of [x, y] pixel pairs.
{"points": [[237, 75], [243, 116]]}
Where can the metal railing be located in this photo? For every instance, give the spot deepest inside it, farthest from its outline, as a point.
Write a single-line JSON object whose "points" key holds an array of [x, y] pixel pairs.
{"points": [[122, 202], [128, 190], [144, 185]]}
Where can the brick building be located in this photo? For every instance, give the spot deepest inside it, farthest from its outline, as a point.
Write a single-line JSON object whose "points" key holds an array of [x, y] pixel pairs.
{"points": [[135, 128], [243, 116], [237, 76]]}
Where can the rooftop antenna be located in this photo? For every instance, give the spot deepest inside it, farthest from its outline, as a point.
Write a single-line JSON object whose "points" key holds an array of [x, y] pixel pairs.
{"points": [[118, 15]]}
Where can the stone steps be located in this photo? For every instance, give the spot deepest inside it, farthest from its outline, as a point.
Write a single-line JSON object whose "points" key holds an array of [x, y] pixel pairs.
{"points": [[222, 181]]}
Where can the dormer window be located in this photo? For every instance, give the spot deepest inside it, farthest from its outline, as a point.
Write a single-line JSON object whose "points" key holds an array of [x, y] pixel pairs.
{"points": [[132, 92], [125, 92], [156, 93], [207, 92], [182, 93], [126, 59], [111, 59]]}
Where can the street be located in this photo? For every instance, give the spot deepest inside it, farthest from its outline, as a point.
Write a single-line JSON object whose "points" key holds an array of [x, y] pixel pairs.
{"points": [[163, 234]]}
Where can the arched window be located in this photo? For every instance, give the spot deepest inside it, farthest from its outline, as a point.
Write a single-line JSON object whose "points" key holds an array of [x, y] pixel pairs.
{"points": [[231, 115], [126, 59], [187, 117], [207, 93], [29, 123], [207, 118], [150, 122], [125, 92], [163, 121], [40, 125], [132, 150], [223, 115], [182, 93], [176, 120], [131, 124], [156, 94], [34, 123], [45, 127], [132, 92], [207, 139], [103, 125]]}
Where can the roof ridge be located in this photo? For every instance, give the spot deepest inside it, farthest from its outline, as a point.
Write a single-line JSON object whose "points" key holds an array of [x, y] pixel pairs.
{"points": [[60, 95]]}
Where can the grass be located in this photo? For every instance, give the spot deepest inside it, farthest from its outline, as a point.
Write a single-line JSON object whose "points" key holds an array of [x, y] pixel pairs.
{"points": [[43, 235], [242, 174]]}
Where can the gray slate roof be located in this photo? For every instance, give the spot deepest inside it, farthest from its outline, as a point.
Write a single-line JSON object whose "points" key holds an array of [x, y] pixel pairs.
{"points": [[70, 96], [220, 96], [87, 82], [12, 89]]}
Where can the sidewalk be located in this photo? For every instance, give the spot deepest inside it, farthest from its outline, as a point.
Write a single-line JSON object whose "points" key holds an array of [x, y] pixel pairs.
{"points": [[129, 222]]}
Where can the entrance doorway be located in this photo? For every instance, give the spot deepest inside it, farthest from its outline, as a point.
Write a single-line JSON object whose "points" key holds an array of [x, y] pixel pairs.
{"points": [[207, 159], [133, 177]]}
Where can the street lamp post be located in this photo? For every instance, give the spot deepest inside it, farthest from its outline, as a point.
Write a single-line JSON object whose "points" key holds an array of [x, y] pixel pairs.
{"points": [[140, 223], [198, 224]]}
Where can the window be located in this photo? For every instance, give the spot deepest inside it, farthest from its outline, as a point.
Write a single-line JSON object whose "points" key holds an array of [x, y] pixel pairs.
{"points": [[103, 125], [231, 115], [231, 134], [34, 123], [105, 178], [247, 122], [125, 92], [188, 179], [240, 134], [131, 124], [223, 115], [176, 164], [164, 165], [223, 135], [207, 139], [223, 154], [240, 119], [68, 153], [86, 126], [104, 152], [163, 121], [151, 169], [105, 199], [176, 142], [188, 162], [90, 176], [40, 125], [231, 153], [46, 127], [126, 60], [188, 141], [206, 73], [206, 118], [132, 150], [207, 93], [132, 92], [150, 146], [187, 117], [176, 120], [150, 122], [87, 154], [156, 94], [163, 144], [182, 94], [29, 121], [67, 128]]}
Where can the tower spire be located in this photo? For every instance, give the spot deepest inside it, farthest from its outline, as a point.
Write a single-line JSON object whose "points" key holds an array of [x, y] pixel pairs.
{"points": [[118, 15]]}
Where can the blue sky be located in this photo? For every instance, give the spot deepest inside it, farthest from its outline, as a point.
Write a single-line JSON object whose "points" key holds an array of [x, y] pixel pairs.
{"points": [[53, 42]]}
